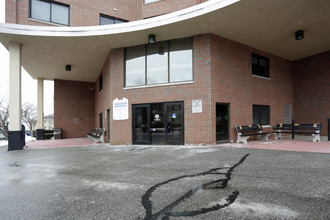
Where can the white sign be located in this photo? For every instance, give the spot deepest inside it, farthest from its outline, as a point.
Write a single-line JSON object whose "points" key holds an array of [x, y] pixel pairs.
{"points": [[197, 106], [120, 109]]}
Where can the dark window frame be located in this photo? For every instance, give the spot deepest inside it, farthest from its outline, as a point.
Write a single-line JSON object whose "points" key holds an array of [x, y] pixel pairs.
{"points": [[168, 69], [257, 69], [50, 12], [111, 17], [258, 110], [101, 82], [101, 120]]}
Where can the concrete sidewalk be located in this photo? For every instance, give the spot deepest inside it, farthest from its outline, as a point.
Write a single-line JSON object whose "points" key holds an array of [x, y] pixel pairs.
{"points": [[168, 182]]}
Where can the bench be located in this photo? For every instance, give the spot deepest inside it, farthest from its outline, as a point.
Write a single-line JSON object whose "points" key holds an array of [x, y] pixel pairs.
{"points": [[244, 132], [313, 129], [96, 135]]}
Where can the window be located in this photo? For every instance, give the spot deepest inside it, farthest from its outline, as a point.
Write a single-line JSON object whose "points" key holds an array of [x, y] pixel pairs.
{"points": [[105, 20], [150, 1], [261, 114], [101, 82], [50, 11], [101, 120], [162, 62], [260, 65]]}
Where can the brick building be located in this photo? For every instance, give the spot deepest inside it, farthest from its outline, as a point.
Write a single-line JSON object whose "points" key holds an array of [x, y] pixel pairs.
{"points": [[175, 72]]}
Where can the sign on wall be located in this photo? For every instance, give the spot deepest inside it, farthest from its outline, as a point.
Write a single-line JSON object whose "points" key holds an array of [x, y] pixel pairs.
{"points": [[120, 109], [197, 106]]}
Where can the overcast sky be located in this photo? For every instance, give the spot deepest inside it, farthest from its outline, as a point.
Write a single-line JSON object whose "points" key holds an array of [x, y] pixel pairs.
{"points": [[29, 85]]}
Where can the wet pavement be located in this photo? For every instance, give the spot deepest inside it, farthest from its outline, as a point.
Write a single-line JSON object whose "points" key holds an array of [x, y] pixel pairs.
{"points": [[165, 182]]}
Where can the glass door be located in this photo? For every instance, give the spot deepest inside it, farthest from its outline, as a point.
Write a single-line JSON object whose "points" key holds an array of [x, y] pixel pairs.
{"points": [[174, 123], [222, 122], [157, 124], [141, 122]]}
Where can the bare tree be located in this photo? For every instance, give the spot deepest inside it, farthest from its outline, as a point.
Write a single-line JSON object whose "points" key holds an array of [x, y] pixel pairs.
{"points": [[4, 118], [29, 116]]}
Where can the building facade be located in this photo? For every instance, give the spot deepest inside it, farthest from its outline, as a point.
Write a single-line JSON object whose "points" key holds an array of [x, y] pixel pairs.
{"points": [[189, 89]]}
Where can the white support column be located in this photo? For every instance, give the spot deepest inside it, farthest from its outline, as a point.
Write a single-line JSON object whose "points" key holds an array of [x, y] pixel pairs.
{"points": [[40, 103], [40, 110], [15, 139]]}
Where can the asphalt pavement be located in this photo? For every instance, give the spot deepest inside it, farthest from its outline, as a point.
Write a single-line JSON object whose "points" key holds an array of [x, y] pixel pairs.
{"points": [[163, 182]]}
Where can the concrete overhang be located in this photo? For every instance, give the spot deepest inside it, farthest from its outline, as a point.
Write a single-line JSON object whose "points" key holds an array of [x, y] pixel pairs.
{"points": [[266, 25]]}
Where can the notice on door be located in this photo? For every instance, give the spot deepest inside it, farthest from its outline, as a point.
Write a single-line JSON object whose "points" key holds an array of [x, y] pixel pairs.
{"points": [[197, 106], [120, 109]]}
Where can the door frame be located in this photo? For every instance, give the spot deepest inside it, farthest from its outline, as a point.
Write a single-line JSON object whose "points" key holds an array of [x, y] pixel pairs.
{"points": [[229, 122], [182, 122], [133, 123], [149, 141]]}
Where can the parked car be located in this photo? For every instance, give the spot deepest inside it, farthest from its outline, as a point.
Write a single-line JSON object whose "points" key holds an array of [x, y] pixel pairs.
{"points": [[2, 137]]}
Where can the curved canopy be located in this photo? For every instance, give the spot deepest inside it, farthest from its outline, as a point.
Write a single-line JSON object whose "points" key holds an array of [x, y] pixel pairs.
{"points": [[266, 25]]}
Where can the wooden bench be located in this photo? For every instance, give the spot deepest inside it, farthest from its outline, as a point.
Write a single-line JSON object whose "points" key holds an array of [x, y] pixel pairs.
{"points": [[244, 132], [313, 129], [96, 135]]}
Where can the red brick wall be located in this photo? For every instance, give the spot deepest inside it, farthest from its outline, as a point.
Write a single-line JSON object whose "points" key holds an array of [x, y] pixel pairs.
{"points": [[165, 6], [311, 90], [82, 13], [74, 107], [233, 82], [87, 12], [197, 126], [102, 98]]}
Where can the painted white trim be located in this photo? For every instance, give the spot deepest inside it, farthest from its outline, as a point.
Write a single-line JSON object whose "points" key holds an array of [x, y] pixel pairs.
{"points": [[159, 85]]}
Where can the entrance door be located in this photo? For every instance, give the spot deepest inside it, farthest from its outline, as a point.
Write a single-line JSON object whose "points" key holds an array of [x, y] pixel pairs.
{"points": [[141, 124], [222, 122], [174, 123], [158, 123]]}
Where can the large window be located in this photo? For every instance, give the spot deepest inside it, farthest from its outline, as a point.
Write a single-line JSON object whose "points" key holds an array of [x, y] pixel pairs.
{"points": [[163, 62], [260, 65], [105, 20], [50, 11], [261, 114]]}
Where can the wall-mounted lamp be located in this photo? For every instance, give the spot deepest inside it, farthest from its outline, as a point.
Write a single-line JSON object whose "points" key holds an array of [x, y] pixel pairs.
{"points": [[68, 68], [152, 39], [299, 35]]}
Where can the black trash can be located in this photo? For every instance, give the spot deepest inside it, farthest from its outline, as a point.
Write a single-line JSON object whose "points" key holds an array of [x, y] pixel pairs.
{"points": [[58, 133]]}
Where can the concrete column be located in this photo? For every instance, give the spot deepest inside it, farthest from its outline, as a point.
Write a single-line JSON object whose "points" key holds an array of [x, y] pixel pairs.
{"points": [[40, 110], [15, 137]]}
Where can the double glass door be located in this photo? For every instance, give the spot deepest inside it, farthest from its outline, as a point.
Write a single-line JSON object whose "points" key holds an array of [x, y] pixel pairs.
{"points": [[158, 123]]}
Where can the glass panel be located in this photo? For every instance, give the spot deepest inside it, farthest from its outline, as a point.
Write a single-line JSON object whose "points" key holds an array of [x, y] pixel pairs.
{"points": [[117, 21], [157, 60], [40, 10], [157, 125], [181, 67], [174, 124], [255, 115], [222, 122], [135, 66], [261, 114], [106, 20], [60, 14], [141, 134], [264, 115], [100, 120]]}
